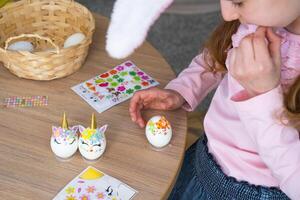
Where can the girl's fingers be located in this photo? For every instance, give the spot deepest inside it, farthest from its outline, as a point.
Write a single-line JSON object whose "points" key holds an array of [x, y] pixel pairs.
{"points": [[133, 105], [232, 57], [274, 44], [136, 105], [139, 118], [236, 68], [246, 48], [260, 45]]}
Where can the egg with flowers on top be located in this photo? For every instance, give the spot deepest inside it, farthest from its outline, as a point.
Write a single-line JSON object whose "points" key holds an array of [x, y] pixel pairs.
{"points": [[64, 139], [92, 142], [158, 131], [64, 142]]}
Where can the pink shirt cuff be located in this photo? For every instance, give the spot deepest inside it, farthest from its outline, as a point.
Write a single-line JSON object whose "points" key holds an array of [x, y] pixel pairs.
{"points": [[263, 104], [186, 93]]}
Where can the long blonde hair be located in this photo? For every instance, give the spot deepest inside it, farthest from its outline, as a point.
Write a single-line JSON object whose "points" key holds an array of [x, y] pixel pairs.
{"points": [[215, 56]]}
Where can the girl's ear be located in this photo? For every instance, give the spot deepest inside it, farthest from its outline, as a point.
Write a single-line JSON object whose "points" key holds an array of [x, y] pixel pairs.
{"points": [[129, 24]]}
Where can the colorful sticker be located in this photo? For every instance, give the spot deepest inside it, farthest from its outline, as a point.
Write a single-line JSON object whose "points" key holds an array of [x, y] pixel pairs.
{"points": [[64, 136], [114, 86], [30, 101], [93, 184], [162, 126]]}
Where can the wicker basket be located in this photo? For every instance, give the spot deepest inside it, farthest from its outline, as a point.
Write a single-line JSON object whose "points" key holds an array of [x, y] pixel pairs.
{"points": [[46, 24]]}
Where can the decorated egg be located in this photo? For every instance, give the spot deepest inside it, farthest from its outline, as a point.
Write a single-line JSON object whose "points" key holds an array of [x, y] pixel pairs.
{"points": [[21, 46], [64, 140], [92, 141], [74, 39], [158, 131]]}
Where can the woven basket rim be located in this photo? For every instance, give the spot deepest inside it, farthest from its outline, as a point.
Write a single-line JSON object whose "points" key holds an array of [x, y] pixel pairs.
{"points": [[60, 50], [90, 33], [43, 64]]}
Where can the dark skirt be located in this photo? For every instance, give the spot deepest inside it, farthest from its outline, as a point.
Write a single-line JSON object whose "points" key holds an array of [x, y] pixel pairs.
{"points": [[201, 178]]}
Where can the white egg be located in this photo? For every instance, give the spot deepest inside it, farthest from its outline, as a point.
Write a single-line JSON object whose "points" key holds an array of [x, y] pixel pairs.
{"points": [[64, 150], [74, 39], [158, 131], [89, 151], [92, 142], [21, 46], [64, 142]]}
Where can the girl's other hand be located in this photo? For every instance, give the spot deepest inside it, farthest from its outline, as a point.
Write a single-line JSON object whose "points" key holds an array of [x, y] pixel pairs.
{"points": [[255, 64], [153, 98]]}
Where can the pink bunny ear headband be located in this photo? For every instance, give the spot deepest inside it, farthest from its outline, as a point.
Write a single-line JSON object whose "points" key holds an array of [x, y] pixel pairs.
{"points": [[130, 23]]}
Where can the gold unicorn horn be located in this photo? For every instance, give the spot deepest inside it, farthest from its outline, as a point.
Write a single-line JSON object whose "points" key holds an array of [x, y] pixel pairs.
{"points": [[93, 123], [64, 123]]}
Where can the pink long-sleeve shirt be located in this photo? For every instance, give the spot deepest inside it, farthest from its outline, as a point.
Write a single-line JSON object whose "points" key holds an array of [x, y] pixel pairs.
{"points": [[246, 137]]}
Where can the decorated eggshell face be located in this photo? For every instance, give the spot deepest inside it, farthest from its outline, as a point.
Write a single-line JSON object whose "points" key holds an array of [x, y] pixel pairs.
{"points": [[92, 142], [158, 131], [64, 142]]}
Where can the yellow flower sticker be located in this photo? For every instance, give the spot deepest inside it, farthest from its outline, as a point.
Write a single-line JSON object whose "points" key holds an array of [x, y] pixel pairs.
{"points": [[71, 198], [87, 133], [70, 190]]}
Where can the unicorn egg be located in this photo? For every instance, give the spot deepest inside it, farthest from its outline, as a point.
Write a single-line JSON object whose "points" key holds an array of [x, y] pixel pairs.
{"points": [[92, 141], [64, 142], [158, 131]]}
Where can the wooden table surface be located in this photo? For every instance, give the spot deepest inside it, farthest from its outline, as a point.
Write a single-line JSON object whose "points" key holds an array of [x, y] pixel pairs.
{"points": [[29, 169]]}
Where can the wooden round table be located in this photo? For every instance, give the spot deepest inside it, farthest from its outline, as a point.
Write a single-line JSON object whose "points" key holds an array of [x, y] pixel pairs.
{"points": [[29, 169]]}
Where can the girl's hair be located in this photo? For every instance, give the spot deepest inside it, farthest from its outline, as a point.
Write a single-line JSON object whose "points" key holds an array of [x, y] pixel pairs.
{"points": [[292, 104], [215, 55]]}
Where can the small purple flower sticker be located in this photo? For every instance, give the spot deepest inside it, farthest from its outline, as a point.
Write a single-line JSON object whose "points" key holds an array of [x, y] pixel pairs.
{"points": [[140, 73], [128, 64], [121, 88], [120, 68], [145, 77]]}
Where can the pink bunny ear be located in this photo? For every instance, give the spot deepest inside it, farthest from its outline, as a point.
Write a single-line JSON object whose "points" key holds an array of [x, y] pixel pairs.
{"points": [[103, 128], [74, 128], [130, 22], [81, 128]]}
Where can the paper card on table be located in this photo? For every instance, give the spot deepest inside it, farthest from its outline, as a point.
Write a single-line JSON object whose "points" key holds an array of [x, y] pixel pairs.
{"points": [[93, 184], [114, 86]]}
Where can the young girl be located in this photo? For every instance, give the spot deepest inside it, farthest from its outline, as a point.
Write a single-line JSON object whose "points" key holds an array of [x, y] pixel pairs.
{"points": [[251, 148]]}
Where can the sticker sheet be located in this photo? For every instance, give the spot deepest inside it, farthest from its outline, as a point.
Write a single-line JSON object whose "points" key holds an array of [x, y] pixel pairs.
{"points": [[93, 184], [28, 101], [114, 86]]}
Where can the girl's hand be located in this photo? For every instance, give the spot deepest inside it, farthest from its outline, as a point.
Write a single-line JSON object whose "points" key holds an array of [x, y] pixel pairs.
{"points": [[153, 98], [255, 64]]}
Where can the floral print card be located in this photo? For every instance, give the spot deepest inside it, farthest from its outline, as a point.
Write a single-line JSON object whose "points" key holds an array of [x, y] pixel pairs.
{"points": [[114, 86], [93, 184]]}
